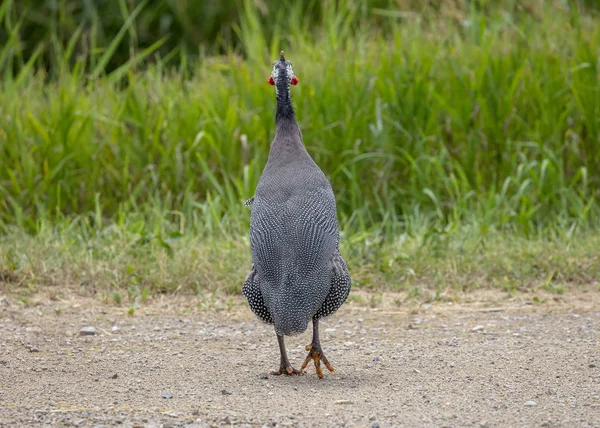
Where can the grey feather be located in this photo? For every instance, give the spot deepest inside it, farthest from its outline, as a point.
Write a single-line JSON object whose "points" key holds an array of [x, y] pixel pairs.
{"points": [[298, 273]]}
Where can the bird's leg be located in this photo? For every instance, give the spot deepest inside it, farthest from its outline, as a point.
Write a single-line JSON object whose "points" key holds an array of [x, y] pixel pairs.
{"points": [[315, 353], [285, 367]]}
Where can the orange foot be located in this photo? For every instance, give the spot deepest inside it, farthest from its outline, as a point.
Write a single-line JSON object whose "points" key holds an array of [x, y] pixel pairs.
{"points": [[315, 353], [287, 370]]}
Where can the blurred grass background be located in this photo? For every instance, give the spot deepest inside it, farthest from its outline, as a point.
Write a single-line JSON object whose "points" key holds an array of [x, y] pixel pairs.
{"points": [[442, 123], [198, 27]]}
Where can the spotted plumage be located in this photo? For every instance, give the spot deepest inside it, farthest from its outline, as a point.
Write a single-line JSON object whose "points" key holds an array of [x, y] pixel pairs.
{"points": [[298, 274], [251, 291]]}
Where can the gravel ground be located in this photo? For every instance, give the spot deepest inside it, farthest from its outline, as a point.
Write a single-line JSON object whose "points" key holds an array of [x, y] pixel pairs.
{"points": [[479, 364]]}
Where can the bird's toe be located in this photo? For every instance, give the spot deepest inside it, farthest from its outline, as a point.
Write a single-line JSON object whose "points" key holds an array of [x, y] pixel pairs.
{"points": [[287, 371], [315, 354]]}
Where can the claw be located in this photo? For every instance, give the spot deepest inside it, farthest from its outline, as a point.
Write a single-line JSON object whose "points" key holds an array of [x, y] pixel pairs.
{"points": [[288, 371], [316, 354]]}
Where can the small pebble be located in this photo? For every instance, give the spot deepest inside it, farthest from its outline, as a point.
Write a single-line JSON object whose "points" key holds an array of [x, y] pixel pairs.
{"points": [[477, 328], [80, 422], [592, 366], [115, 328], [166, 395], [375, 425], [87, 331], [226, 392], [263, 375], [531, 403], [34, 349], [114, 376]]}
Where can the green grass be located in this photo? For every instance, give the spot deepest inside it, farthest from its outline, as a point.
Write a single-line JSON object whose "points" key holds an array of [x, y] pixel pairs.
{"points": [[440, 132], [495, 120], [121, 267], [189, 29]]}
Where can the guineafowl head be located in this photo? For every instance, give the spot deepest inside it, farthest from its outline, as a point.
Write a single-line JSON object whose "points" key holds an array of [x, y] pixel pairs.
{"points": [[282, 75]]}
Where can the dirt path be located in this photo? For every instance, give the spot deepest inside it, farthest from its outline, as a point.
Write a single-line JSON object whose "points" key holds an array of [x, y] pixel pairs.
{"points": [[446, 365]]}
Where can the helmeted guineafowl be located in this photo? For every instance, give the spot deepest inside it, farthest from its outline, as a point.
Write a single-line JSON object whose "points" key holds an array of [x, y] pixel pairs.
{"points": [[297, 271]]}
